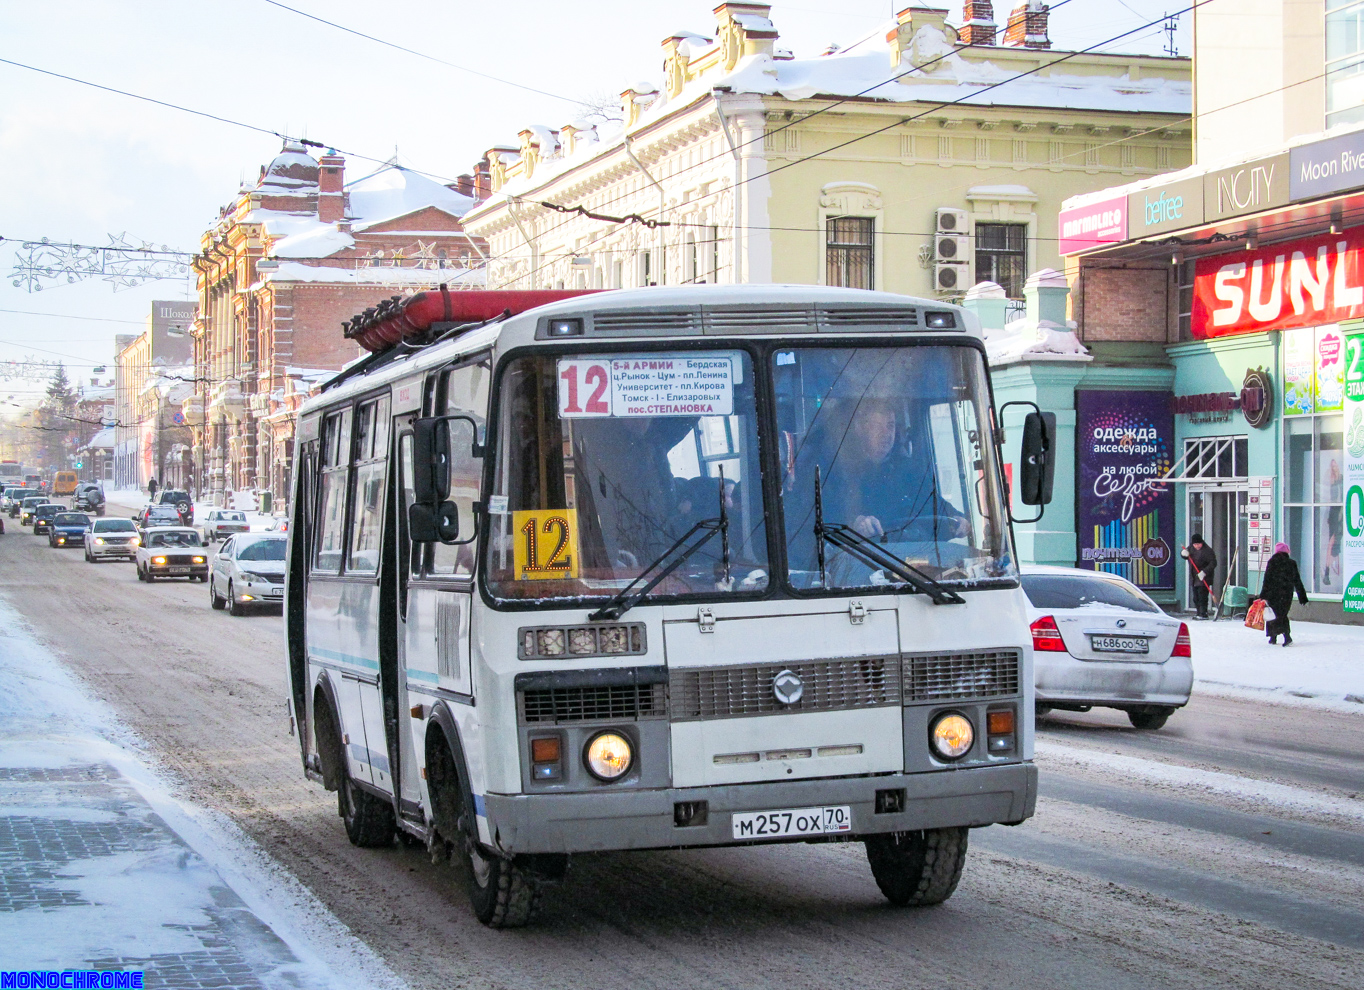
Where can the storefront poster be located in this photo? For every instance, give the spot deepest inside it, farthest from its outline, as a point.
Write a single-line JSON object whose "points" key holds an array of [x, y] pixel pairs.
{"points": [[1352, 548], [1329, 390], [1298, 361], [1304, 283], [1125, 519]]}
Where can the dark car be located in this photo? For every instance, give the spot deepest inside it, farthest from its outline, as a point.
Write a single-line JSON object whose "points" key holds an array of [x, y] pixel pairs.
{"points": [[27, 507], [43, 516], [16, 500], [182, 502], [158, 515], [68, 529], [89, 497]]}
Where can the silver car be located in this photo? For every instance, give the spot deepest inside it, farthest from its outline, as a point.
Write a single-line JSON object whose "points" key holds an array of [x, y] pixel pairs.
{"points": [[248, 571], [116, 538], [1099, 641]]}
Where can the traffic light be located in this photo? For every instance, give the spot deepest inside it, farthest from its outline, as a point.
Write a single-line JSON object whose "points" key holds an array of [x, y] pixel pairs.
{"points": [[78, 465]]}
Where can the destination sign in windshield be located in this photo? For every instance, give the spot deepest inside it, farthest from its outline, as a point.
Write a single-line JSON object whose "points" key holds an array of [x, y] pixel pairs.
{"points": [[647, 385]]}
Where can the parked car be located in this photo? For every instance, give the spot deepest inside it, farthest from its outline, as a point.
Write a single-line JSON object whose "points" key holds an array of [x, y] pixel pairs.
{"points": [[89, 497], [182, 502], [115, 538], [44, 514], [222, 523], [1099, 641], [158, 515], [26, 507], [249, 570], [68, 529], [171, 551]]}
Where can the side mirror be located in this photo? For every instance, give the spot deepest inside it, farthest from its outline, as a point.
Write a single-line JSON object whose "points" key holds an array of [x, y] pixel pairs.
{"points": [[431, 460], [1037, 459], [433, 524]]}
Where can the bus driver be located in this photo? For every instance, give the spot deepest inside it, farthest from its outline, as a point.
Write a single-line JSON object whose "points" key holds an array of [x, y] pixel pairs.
{"points": [[875, 487]]}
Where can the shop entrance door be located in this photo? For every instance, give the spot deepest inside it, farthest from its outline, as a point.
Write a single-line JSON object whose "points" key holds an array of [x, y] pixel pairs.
{"points": [[1219, 513]]}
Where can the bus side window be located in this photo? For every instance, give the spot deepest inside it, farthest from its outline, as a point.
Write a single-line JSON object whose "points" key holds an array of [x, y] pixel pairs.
{"points": [[367, 500], [418, 550], [331, 510], [466, 393]]}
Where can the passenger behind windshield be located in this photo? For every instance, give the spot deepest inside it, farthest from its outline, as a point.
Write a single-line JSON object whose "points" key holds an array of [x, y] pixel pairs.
{"points": [[899, 439]]}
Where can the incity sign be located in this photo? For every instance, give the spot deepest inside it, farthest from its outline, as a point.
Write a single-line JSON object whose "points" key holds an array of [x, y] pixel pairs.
{"points": [[1249, 188]]}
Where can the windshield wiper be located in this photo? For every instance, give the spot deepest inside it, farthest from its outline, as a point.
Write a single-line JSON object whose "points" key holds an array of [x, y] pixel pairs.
{"points": [[869, 552]]}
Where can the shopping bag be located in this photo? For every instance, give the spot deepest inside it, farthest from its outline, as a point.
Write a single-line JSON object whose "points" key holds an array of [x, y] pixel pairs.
{"points": [[1255, 615]]}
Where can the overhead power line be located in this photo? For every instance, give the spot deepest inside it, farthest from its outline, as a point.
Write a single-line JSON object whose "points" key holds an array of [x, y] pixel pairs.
{"points": [[420, 54]]}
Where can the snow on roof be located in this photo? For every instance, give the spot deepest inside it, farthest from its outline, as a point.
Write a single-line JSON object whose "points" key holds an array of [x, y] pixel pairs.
{"points": [[104, 438], [292, 271], [394, 192], [864, 70], [322, 241]]}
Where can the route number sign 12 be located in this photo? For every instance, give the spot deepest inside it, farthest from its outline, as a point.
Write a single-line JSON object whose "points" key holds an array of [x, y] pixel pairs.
{"points": [[545, 544]]}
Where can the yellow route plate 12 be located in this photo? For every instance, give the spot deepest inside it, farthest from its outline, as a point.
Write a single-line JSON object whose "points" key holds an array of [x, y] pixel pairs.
{"points": [[545, 543]]}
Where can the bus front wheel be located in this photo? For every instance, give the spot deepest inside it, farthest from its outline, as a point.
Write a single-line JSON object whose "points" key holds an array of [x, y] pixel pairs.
{"points": [[916, 869]]}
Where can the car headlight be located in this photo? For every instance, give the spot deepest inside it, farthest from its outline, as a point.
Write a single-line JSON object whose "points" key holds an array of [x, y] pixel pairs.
{"points": [[199, 560], [136, 541], [952, 735], [61, 539], [158, 560], [609, 756]]}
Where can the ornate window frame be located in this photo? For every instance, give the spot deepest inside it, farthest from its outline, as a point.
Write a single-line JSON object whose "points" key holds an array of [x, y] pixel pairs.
{"points": [[852, 199]]}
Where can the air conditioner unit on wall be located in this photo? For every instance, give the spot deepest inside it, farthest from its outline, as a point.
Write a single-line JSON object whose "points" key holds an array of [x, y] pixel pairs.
{"points": [[951, 247], [952, 220], [950, 279]]}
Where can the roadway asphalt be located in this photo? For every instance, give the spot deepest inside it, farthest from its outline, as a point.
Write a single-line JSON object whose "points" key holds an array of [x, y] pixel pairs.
{"points": [[1225, 850]]}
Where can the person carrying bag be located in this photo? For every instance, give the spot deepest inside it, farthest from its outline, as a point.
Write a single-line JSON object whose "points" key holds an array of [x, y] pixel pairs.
{"points": [[1281, 580], [1255, 615]]}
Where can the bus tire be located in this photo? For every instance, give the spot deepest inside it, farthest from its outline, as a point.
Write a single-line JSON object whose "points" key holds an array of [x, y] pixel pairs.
{"points": [[369, 821], [503, 894], [917, 869]]}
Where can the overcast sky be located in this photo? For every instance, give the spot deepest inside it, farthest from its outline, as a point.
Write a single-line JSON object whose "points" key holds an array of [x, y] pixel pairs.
{"points": [[77, 164]]}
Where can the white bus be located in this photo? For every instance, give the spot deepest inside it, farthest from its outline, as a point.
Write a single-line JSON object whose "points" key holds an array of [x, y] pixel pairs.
{"points": [[668, 567]]}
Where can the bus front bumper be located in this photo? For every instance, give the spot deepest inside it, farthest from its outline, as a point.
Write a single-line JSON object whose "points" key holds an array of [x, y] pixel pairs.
{"points": [[602, 820]]}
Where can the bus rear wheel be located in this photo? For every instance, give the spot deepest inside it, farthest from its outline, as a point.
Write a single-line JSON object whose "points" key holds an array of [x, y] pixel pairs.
{"points": [[917, 869], [368, 820]]}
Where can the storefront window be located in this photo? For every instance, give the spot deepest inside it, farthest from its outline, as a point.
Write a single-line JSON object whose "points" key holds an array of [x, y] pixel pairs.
{"points": [[1314, 461]]}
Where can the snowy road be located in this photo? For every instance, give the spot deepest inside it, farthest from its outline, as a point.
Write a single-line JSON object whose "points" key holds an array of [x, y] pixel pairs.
{"points": [[1225, 850]]}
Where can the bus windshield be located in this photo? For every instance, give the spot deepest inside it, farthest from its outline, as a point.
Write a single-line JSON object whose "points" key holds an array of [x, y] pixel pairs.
{"points": [[900, 440], [605, 461]]}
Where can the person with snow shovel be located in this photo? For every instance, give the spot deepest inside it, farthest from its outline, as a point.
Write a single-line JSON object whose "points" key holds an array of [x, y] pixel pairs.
{"points": [[1202, 567], [1281, 579]]}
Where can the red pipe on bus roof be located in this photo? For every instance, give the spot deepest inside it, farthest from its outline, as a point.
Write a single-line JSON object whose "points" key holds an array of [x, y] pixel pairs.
{"points": [[397, 319]]}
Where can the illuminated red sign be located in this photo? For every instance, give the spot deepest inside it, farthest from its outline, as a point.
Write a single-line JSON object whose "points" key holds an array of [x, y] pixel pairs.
{"points": [[1297, 284]]}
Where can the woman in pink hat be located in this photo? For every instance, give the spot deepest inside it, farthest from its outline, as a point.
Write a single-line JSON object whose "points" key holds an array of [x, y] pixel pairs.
{"points": [[1276, 590]]}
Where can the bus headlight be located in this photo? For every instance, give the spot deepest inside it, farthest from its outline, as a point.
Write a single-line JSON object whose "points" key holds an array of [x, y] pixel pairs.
{"points": [[951, 735], [609, 756]]}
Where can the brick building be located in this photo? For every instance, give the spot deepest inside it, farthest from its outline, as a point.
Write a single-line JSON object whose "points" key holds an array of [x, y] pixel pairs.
{"points": [[285, 264]]}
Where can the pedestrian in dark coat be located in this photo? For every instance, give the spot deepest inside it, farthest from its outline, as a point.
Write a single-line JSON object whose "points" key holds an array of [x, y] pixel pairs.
{"points": [[1202, 568], [1276, 590]]}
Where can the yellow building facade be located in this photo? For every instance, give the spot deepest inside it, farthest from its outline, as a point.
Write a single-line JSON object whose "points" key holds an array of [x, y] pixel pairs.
{"points": [[921, 159]]}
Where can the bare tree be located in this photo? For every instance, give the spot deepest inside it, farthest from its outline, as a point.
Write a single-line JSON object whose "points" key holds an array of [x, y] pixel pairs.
{"points": [[601, 107]]}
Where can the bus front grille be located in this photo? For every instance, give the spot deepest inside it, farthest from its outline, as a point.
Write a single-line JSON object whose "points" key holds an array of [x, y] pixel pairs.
{"points": [[826, 685], [961, 676], [614, 703]]}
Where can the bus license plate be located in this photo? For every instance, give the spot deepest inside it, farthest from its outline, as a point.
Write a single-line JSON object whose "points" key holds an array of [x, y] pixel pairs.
{"points": [[1119, 644], [797, 821]]}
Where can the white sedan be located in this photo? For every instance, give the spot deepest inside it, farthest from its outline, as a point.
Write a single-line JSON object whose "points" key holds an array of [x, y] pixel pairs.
{"points": [[1099, 641], [249, 570], [222, 523], [111, 537]]}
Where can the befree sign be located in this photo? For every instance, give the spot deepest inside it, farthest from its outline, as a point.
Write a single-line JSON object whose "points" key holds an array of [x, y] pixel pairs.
{"points": [[1298, 284]]}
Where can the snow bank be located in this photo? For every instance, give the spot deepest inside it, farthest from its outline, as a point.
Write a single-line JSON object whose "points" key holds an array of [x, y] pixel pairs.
{"points": [[1325, 662]]}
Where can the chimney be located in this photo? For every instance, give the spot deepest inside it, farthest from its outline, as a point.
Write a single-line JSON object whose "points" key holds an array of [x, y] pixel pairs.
{"points": [[483, 181], [1028, 26], [979, 22], [908, 23], [331, 187]]}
